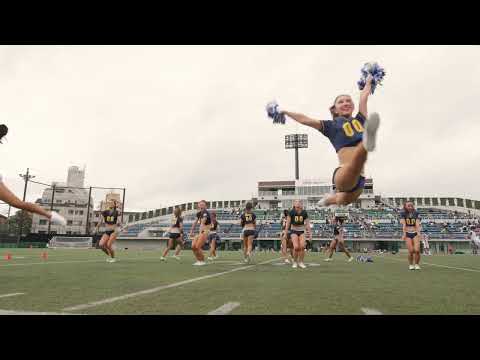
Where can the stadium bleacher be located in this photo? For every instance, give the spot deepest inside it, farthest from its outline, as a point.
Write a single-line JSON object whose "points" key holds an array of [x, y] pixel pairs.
{"points": [[378, 223]]}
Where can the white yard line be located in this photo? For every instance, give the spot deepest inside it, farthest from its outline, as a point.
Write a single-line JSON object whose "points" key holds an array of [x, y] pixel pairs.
{"points": [[225, 308], [21, 312], [159, 288], [13, 294], [47, 262], [368, 311], [437, 265]]}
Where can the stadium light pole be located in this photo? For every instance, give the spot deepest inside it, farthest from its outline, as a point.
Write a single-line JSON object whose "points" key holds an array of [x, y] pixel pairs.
{"points": [[87, 225], [26, 177], [123, 205], [296, 141], [51, 208]]}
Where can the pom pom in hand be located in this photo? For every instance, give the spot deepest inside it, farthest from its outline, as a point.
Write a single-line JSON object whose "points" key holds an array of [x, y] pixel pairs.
{"points": [[274, 112], [375, 71], [3, 131]]}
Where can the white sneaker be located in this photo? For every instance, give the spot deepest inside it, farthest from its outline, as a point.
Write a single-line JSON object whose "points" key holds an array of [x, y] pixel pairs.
{"points": [[370, 133], [176, 257], [199, 263], [163, 259], [328, 259], [294, 265], [245, 260], [111, 260], [210, 258], [302, 265], [417, 267], [411, 267], [215, 257], [57, 219], [287, 261], [323, 201], [350, 259]]}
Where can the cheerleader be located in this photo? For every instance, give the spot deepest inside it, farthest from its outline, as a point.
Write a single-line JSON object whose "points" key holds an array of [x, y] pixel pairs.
{"points": [[353, 137], [175, 234], [213, 237]]}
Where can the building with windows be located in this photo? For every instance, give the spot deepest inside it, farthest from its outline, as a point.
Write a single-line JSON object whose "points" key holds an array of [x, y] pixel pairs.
{"points": [[70, 200], [281, 194]]}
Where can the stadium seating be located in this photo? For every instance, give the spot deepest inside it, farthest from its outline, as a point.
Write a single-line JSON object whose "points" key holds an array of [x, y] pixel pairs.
{"points": [[380, 222]]}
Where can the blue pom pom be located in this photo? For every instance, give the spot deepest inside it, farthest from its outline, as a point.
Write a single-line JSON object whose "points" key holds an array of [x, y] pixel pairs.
{"points": [[377, 73], [274, 113]]}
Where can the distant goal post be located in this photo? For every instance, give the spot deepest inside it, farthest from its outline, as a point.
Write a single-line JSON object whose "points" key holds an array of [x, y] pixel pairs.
{"points": [[71, 242]]}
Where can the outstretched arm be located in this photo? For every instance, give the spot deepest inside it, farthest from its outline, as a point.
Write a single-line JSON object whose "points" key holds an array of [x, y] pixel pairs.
{"points": [[304, 120], [364, 94]]}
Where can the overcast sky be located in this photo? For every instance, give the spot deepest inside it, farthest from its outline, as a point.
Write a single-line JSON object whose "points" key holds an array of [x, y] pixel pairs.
{"points": [[177, 123]]}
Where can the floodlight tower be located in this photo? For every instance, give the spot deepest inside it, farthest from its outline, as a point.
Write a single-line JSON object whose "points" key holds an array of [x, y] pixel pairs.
{"points": [[296, 141]]}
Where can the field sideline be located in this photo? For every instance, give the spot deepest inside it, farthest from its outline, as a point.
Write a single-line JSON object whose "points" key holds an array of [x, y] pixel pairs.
{"points": [[82, 282]]}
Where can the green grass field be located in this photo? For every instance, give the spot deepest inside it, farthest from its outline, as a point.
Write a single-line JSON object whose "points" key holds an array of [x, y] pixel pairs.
{"points": [[81, 282]]}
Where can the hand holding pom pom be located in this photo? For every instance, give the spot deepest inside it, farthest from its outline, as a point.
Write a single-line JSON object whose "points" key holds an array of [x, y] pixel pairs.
{"points": [[371, 72], [274, 112]]}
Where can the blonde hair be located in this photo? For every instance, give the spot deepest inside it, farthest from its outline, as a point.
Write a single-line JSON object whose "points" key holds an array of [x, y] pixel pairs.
{"points": [[177, 212]]}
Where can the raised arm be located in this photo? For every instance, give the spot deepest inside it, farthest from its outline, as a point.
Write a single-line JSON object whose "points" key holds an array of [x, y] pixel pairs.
{"points": [[304, 120], [364, 94]]}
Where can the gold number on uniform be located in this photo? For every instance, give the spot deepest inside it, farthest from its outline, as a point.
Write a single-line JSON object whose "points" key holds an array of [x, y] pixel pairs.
{"points": [[347, 128], [357, 125]]}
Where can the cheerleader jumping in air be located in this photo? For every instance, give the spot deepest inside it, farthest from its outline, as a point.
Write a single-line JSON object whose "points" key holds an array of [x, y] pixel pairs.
{"points": [[353, 137], [11, 199]]}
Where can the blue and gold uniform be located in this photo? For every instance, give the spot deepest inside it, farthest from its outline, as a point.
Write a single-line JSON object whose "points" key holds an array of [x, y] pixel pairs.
{"points": [[175, 231], [213, 232], [284, 230], [110, 217], [345, 132], [248, 218], [411, 219], [204, 214], [297, 219]]}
